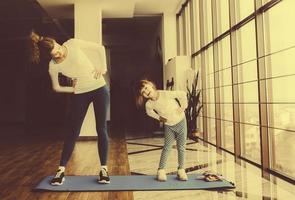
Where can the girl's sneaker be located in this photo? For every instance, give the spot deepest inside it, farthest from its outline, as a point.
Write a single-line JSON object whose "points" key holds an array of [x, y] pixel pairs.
{"points": [[59, 178], [103, 176], [161, 175], [181, 175]]}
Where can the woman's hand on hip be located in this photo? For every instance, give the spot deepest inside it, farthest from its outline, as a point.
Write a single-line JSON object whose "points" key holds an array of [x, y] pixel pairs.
{"points": [[74, 83], [97, 73]]}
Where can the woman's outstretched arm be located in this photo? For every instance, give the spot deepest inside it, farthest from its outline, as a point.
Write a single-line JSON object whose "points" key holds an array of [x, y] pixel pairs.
{"points": [[55, 83]]}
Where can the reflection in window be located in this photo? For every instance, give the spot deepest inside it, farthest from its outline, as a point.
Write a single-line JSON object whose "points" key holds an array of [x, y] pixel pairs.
{"points": [[207, 21], [226, 112], [211, 110], [210, 96], [247, 72], [280, 90], [209, 60], [282, 116], [249, 113], [279, 35], [198, 63], [250, 142], [243, 9], [280, 71], [222, 16], [224, 53], [225, 77], [200, 126], [210, 81], [249, 110], [246, 42], [195, 25], [248, 92], [227, 135], [211, 130], [226, 94], [283, 150], [285, 60]]}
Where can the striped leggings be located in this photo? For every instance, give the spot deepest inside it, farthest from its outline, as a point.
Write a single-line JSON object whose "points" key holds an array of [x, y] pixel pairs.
{"points": [[179, 133]]}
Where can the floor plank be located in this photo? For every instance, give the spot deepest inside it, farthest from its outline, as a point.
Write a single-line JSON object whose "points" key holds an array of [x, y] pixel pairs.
{"points": [[25, 161]]}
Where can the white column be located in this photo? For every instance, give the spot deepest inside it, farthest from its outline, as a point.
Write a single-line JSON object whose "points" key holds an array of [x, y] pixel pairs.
{"points": [[88, 21], [169, 43], [169, 36], [88, 24]]}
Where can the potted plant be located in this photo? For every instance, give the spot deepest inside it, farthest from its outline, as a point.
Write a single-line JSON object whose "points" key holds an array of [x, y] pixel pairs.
{"points": [[194, 106]]}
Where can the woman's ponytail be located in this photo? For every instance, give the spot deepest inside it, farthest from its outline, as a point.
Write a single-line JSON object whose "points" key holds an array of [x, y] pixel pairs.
{"points": [[37, 42], [35, 51]]}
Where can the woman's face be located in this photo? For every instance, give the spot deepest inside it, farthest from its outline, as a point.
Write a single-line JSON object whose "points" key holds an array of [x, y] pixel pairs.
{"points": [[148, 91], [57, 51]]}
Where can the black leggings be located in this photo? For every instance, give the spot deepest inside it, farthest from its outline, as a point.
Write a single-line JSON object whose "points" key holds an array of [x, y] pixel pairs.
{"points": [[79, 105]]}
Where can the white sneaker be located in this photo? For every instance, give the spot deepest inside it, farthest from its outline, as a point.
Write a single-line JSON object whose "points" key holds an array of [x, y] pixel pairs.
{"points": [[161, 175], [181, 175], [59, 178], [103, 176]]}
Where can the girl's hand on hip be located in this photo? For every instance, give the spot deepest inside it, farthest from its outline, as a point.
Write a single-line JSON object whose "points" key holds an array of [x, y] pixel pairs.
{"points": [[97, 73], [162, 119], [179, 110]]}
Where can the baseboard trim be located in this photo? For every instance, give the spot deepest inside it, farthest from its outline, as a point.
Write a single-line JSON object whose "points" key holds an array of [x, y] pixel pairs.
{"points": [[87, 138]]}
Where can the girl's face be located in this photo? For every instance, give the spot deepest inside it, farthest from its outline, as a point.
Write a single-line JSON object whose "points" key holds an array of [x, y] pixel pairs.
{"points": [[148, 91], [57, 51]]}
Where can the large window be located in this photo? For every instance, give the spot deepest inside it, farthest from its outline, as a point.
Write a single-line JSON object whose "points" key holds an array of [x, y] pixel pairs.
{"points": [[247, 82], [280, 74]]}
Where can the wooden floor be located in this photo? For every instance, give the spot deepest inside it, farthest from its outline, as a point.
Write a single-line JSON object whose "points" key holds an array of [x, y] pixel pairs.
{"points": [[24, 162]]}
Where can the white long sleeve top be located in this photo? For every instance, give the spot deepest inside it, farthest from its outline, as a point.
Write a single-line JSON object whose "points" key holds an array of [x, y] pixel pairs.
{"points": [[80, 66], [166, 106]]}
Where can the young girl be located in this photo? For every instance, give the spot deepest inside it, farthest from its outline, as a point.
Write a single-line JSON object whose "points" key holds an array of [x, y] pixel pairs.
{"points": [[90, 87], [163, 106]]}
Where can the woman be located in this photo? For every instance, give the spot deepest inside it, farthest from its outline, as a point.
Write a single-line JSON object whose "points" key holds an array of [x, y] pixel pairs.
{"points": [[89, 86]]}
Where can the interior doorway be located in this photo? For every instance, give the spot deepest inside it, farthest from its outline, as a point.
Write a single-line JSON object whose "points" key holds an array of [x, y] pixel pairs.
{"points": [[134, 47]]}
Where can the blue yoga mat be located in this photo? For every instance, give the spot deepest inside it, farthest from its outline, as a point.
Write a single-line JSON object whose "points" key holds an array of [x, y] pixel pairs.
{"points": [[131, 183]]}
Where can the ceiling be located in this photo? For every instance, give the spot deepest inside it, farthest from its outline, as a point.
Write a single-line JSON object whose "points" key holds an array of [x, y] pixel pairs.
{"points": [[64, 9]]}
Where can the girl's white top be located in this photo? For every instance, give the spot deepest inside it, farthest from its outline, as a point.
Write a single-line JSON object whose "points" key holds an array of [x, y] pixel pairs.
{"points": [[166, 106], [82, 59]]}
